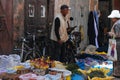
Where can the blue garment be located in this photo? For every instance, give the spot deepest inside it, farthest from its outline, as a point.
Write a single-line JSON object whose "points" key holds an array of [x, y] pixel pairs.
{"points": [[96, 18], [96, 27], [81, 65], [77, 77]]}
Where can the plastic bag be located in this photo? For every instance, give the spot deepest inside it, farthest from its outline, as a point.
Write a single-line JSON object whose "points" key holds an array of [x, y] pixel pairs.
{"points": [[112, 52], [28, 76]]}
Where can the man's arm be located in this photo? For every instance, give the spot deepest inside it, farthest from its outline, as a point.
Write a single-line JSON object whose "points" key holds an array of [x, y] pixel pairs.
{"points": [[57, 26], [117, 30]]}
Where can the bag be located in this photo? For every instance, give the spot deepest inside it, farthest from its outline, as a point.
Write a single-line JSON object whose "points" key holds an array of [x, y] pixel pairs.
{"points": [[112, 52]]}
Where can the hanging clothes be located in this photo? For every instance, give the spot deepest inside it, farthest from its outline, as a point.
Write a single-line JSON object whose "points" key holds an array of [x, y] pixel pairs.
{"points": [[93, 28]]}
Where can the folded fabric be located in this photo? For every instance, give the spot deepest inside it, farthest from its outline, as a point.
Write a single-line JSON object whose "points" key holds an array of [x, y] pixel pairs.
{"points": [[77, 77], [94, 56], [81, 65]]}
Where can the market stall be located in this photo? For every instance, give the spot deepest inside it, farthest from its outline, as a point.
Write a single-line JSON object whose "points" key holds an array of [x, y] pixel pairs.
{"points": [[87, 66], [11, 68]]}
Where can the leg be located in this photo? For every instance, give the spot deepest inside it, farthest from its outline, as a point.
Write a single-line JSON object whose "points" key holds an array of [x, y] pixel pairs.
{"points": [[56, 51]]}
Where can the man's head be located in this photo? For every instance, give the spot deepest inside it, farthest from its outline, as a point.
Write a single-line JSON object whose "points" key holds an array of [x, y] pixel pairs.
{"points": [[64, 10], [115, 15]]}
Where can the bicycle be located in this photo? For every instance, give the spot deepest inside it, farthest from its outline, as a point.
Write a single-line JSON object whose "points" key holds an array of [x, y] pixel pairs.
{"points": [[71, 47], [28, 48]]}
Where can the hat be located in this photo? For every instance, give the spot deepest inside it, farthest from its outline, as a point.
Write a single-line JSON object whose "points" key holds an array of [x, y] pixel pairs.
{"points": [[114, 14], [64, 7]]}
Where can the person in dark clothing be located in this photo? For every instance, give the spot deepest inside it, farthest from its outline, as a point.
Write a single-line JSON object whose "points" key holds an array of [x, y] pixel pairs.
{"points": [[59, 34], [102, 26]]}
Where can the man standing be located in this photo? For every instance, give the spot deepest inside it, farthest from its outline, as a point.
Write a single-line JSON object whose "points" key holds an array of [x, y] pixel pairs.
{"points": [[115, 32], [59, 33]]}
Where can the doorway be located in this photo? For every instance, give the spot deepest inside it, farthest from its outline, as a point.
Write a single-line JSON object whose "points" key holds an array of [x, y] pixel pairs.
{"points": [[6, 28], [39, 15], [104, 22], [105, 9]]}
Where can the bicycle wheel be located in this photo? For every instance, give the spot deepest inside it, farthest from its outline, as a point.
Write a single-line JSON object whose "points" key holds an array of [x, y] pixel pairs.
{"points": [[70, 56], [27, 56], [70, 53]]}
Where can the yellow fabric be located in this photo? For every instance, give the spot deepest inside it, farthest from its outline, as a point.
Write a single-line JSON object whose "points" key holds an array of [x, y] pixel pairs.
{"points": [[82, 32], [101, 53], [104, 70], [68, 77], [83, 71], [107, 78], [18, 67]]}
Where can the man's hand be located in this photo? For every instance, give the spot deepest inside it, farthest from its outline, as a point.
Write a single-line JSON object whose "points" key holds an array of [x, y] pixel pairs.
{"points": [[111, 34], [60, 42], [70, 29], [75, 26]]}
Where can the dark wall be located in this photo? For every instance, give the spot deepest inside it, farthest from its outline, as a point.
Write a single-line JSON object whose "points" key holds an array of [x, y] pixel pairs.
{"points": [[6, 30], [116, 4], [105, 7], [18, 19]]}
